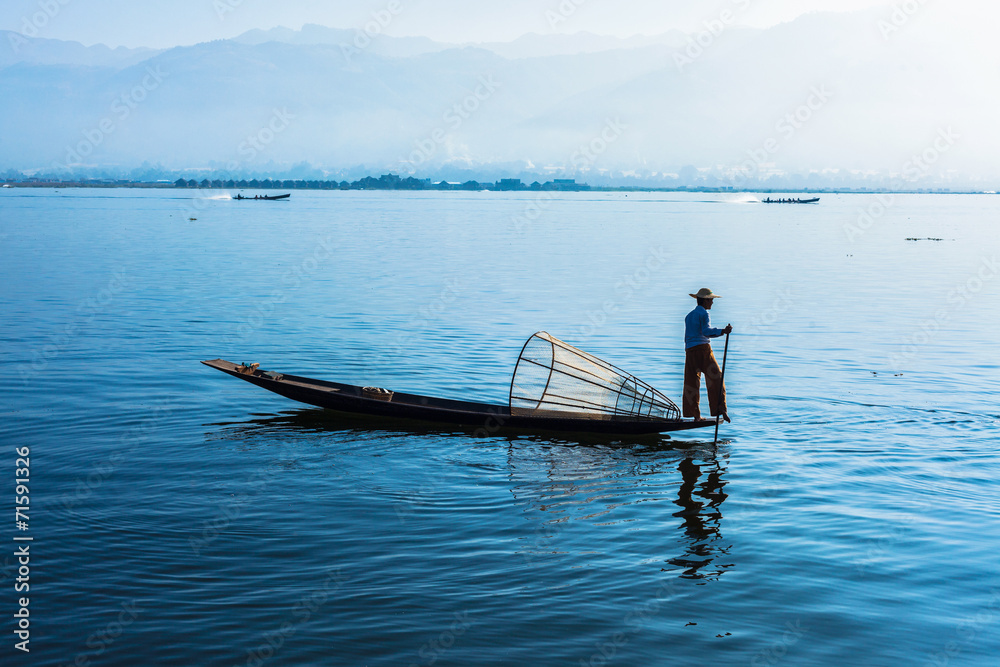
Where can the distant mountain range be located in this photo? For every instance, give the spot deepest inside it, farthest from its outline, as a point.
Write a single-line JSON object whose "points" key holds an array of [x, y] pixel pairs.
{"points": [[35, 51], [824, 99], [531, 45]]}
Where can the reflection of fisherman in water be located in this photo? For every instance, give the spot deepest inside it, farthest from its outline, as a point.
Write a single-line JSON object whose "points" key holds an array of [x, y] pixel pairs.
{"points": [[560, 486], [701, 519]]}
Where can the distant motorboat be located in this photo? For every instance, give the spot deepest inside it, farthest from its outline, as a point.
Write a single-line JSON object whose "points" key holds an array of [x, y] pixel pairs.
{"points": [[814, 200], [262, 197], [7, 185]]}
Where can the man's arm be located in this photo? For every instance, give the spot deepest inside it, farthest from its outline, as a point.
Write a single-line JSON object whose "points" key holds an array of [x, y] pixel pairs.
{"points": [[706, 328]]}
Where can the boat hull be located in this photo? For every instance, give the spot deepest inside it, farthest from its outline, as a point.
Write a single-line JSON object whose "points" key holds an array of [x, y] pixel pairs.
{"points": [[262, 198], [814, 200], [486, 416]]}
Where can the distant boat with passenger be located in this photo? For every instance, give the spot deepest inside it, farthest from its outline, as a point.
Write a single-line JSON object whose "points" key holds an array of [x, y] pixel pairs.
{"points": [[263, 197], [814, 200]]}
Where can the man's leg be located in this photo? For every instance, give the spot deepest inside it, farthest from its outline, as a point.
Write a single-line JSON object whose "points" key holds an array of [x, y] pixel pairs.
{"points": [[713, 381], [692, 385]]}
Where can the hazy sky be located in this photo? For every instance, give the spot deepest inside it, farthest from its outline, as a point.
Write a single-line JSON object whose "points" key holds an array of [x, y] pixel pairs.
{"points": [[164, 23], [894, 94]]}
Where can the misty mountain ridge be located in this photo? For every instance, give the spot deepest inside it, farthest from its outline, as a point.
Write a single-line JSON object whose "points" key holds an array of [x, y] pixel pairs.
{"points": [[37, 51], [349, 40], [531, 45], [825, 93]]}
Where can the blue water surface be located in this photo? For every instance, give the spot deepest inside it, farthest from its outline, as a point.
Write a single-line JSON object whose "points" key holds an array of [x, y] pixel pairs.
{"points": [[849, 515]]}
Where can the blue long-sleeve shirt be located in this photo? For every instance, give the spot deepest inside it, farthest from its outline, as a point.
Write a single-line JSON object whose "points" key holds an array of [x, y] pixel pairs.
{"points": [[698, 328]]}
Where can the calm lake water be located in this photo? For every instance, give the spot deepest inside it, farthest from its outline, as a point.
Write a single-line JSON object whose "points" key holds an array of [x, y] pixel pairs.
{"points": [[848, 517]]}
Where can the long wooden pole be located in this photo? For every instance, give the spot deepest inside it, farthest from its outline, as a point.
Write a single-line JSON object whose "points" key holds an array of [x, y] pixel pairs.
{"points": [[722, 385]]}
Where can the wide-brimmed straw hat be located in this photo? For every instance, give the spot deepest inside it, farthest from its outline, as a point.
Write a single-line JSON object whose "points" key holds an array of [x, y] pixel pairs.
{"points": [[705, 293]]}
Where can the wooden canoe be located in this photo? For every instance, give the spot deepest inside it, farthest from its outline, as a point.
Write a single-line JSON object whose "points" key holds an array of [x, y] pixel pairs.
{"points": [[814, 200], [485, 418], [240, 197]]}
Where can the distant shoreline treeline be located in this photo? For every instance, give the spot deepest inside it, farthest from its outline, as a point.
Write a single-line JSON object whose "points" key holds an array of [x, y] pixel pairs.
{"points": [[384, 182], [394, 182]]}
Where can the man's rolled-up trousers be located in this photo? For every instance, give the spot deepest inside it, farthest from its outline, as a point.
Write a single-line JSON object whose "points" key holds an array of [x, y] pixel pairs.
{"points": [[700, 359]]}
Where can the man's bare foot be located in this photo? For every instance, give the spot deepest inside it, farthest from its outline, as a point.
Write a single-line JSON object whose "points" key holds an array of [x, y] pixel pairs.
{"points": [[725, 415]]}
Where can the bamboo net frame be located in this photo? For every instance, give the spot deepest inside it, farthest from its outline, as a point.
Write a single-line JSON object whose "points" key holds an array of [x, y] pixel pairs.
{"points": [[555, 379]]}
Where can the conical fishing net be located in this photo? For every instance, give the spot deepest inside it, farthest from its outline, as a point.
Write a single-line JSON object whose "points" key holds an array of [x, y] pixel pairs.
{"points": [[553, 379]]}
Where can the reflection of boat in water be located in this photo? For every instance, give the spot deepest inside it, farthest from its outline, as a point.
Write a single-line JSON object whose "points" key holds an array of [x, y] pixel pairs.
{"points": [[555, 387], [814, 200], [642, 503], [240, 197]]}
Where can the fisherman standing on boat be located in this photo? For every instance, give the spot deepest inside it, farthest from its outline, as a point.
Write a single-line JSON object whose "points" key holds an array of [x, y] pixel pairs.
{"points": [[699, 359]]}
